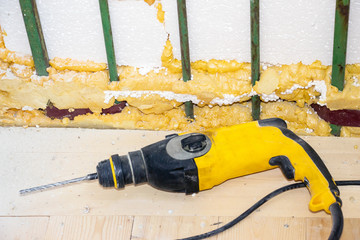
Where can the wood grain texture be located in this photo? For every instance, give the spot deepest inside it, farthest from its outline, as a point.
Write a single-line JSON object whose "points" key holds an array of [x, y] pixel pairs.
{"points": [[254, 227], [89, 227], [18, 228], [319, 228], [168, 227]]}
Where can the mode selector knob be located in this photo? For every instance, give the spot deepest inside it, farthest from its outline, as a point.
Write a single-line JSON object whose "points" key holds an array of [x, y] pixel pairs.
{"points": [[188, 146], [194, 143]]}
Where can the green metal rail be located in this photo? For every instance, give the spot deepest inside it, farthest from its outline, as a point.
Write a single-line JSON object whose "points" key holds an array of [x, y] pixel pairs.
{"points": [[35, 36], [339, 50], [340, 43], [108, 38], [185, 53], [255, 55]]}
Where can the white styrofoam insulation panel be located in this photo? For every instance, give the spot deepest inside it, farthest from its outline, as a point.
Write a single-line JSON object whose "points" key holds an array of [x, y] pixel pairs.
{"points": [[290, 30]]}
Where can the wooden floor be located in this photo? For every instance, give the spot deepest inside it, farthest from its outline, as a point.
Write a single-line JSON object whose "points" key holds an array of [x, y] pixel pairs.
{"points": [[36, 156]]}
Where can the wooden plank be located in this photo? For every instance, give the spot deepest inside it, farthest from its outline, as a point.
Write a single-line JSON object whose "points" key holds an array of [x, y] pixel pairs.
{"points": [[289, 228], [87, 211], [131, 200], [169, 227], [159, 227], [23, 227], [38, 156], [89, 227], [319, 228]]}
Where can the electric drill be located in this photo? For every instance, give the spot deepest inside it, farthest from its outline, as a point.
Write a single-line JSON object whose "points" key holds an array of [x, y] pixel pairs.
{"points": [[194, 162]]}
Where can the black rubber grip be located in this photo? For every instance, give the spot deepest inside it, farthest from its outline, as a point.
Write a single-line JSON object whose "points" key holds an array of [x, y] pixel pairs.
{"points": [[138, 166], [118, 171], [126, 169]]}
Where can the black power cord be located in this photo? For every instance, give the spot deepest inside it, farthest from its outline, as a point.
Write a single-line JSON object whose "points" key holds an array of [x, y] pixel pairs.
{"points": [[337, 221], [337, 217]]}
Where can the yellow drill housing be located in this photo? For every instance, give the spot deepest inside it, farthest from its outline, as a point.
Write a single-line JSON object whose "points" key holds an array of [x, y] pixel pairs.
{"points": [[248, 148]]}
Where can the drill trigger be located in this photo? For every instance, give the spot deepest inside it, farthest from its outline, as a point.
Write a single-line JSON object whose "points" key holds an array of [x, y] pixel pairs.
{"points": [[285, 165]]}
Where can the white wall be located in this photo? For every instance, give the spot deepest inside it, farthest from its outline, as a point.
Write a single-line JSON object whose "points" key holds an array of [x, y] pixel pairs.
{"points": [[291, 30]]}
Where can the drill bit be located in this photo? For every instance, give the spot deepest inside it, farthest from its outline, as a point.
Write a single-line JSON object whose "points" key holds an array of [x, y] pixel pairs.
{"points": [[91, 176]]}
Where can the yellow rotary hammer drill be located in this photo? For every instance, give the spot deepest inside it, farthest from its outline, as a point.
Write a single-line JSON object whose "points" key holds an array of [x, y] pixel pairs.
{"points": [[193, 162]]}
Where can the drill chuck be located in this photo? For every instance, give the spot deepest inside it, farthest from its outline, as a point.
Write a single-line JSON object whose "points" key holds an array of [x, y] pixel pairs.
{"points": [[119, 171]]}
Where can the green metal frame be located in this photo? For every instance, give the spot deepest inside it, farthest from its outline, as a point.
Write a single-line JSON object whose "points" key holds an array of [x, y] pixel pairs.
{"points": [[340, 43], [108, 38], [185, 53], [335, 130], [339, 50], [255, 55], [35, 36]]}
